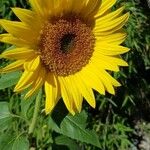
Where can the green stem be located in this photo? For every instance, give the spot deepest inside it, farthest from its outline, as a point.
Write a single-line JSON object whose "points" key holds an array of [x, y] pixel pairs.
{"points": [[35, 114], [16, 116]]}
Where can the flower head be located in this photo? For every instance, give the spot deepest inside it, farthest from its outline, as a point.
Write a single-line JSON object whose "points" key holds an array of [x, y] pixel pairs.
{"points": [[66, 46]]}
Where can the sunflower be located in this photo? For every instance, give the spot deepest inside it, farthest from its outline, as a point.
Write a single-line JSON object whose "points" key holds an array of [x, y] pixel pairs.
{"points": [[68, 47]]}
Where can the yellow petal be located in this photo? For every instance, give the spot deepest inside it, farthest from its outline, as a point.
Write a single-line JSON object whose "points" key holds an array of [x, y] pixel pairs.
{"points": [[77, 97], [111, 15], [66, 94], [106, 25], [37, 84], [44, 8], [112, 60], [102, 63], [56, 7], [25, 81], [116, 38], [91, 8], [52, 92], [67, 7], [28, 17], [107, 83], [18, 53], [86, 92], [28, 76], [18, 30], [110, 49], [92, 79], [78, 7], [106, 5], [8, 38], [17, 65], [37, 5], [32, 64], [104, 79], [112, 80]]}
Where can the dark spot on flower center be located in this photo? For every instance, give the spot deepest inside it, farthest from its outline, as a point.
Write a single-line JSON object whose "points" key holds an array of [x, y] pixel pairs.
{"points": [[67, 42]]}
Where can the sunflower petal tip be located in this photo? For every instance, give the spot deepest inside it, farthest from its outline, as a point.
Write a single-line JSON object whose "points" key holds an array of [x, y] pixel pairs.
{"points": [[47, 112], [15, 9], [126, 64], [103, 93], [15, 90], [112, 91], [12, 8], [123, 7], [94, 105], [79, 111], [128, 15], [129, 49], [72, 113], [119, 84]]}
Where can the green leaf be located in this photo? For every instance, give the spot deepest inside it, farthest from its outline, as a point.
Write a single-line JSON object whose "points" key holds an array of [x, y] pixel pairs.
{"points": [[5, 116], [9, 79], [26, 106], [75, 128], [53, 125], [63, 140], [20, 143], [4, 140], [9, 142]]}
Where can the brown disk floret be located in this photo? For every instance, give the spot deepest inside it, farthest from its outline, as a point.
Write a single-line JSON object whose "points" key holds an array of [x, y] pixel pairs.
{"points": [[66, 46]]}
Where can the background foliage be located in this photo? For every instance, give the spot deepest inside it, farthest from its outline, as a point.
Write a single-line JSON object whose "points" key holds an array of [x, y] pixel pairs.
{"points": [[119, 122]]}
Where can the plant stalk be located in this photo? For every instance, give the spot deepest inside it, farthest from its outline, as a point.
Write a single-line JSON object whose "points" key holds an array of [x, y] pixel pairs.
{"points": [[35, 114]]}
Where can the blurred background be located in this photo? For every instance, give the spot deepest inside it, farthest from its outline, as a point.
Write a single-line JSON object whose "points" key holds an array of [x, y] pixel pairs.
{"points": [[122, 122]]}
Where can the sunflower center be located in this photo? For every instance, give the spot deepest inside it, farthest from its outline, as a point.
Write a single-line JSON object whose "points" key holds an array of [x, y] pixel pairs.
{"points": [[66, 46], [67, 42]]}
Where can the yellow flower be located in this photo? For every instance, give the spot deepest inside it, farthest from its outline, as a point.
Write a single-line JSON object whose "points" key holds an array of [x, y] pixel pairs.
{"points": [[67, 46]]}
